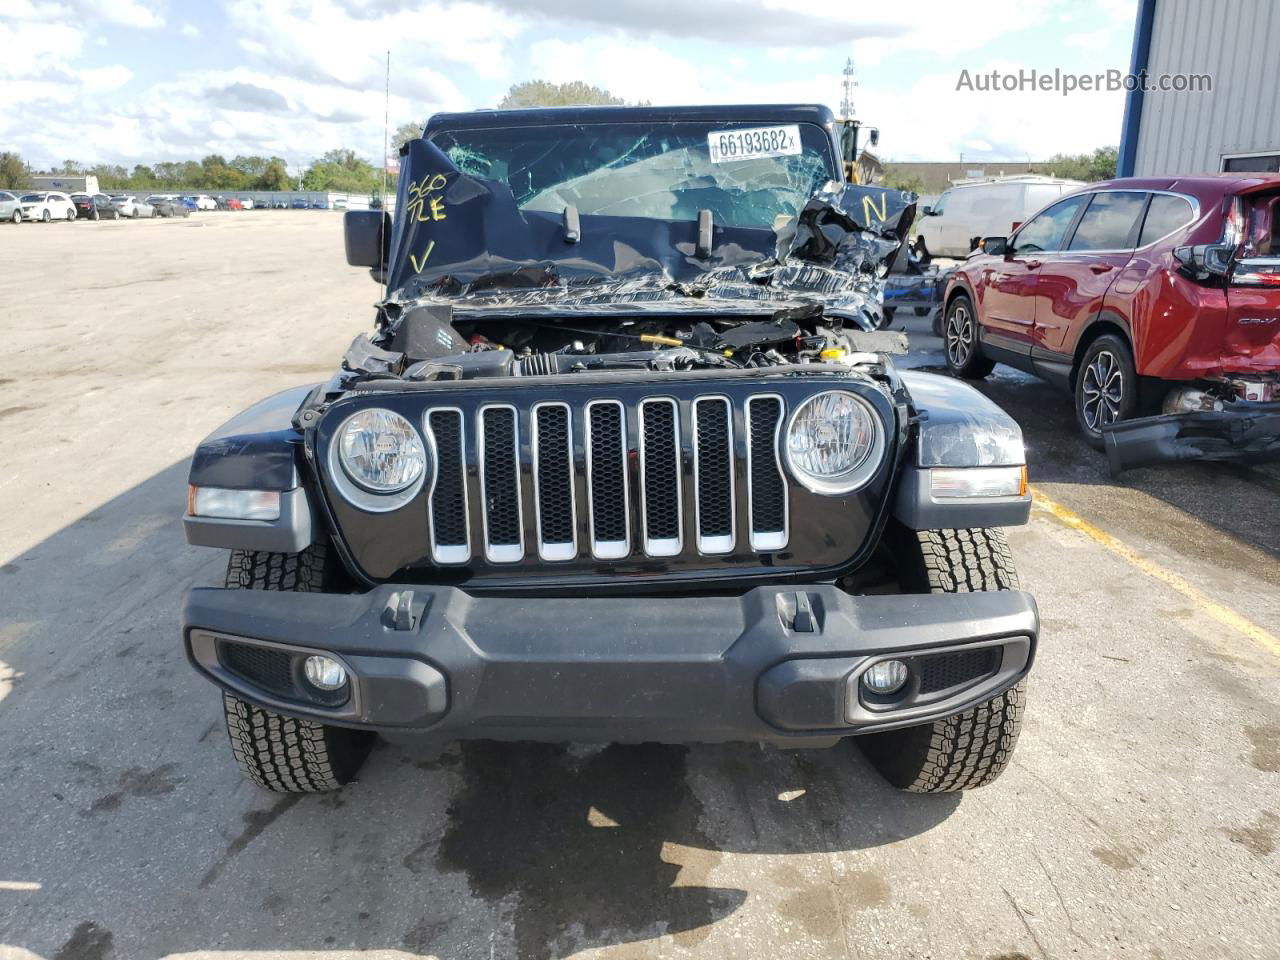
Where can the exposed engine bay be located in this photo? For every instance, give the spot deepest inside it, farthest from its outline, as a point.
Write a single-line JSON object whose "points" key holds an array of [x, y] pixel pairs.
{"points": [[426, 343]]}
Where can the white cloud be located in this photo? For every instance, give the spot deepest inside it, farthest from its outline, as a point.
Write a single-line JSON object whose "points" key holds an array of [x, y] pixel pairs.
{"points": [[105, 79], [190, 30]]}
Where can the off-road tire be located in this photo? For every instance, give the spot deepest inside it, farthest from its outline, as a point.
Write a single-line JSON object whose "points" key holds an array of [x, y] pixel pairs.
{"points": [[281, 753], [960, 341], [969, 749], [286, 755]]}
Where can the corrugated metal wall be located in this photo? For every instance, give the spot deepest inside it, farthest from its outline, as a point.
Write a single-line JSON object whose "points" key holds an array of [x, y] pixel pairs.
{"points": [[1237, 42]]}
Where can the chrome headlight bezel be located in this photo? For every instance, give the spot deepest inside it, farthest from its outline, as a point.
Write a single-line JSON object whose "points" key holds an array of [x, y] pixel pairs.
{"points": [[364, 495], [860, 473]]}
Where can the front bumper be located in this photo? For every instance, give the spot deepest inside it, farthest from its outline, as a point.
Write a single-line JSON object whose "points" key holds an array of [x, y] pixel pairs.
{"points": [[1242, 431], [775, 664]]}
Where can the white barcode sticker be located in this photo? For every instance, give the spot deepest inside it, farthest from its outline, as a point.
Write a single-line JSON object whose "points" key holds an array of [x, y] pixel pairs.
{"points": [[747, 144]]}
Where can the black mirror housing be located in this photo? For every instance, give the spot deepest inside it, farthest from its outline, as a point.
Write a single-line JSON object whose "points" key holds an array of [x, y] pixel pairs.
{"points": [[996, 246], [367, 236], [926, 211]]}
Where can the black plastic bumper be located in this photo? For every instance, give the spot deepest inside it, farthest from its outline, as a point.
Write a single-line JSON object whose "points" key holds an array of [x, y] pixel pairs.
{"points": [[775, 664], [1247, 432]]}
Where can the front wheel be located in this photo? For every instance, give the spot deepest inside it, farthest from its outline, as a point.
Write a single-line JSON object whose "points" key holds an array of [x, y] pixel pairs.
{"points": [[17, 216], [960, 339], [279, 753], [46, 217], [1106, 387], [969, 749]]}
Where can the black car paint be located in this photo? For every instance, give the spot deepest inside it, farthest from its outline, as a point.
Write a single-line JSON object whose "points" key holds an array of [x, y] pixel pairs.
{"points": [[829, 535], [578, 668]]}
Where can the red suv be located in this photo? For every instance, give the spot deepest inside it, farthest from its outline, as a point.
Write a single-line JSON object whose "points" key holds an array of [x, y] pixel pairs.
{"points": [[1139, 295]]}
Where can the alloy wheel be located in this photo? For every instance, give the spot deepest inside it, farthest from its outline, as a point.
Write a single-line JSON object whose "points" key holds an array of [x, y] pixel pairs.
{"points": [[958, 336], [1103, 390]]}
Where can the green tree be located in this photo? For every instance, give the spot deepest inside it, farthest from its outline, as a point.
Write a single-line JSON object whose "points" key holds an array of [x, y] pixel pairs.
{"points": [[894, 178], [110, 176], [341, 169], [69, 168], [142, 176], [404, 133], [275, 176], [1090, 167], [541, 93], [252, 167], [13, 172]]}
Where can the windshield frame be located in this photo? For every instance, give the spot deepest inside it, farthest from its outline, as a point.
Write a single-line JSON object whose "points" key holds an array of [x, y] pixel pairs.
{"points": [[813, 135]]}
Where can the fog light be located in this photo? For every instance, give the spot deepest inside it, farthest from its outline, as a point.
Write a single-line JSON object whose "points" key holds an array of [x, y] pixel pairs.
{"points": [[324, 673], [886, 677], [224, 504]]}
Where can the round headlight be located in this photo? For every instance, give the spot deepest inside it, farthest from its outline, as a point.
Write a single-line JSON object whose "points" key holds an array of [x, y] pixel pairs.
{"points": [[834, 442], [381, 451]]}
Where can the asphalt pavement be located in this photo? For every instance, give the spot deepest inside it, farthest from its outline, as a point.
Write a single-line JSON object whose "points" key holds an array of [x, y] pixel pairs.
{"points": [[1138, 819]]}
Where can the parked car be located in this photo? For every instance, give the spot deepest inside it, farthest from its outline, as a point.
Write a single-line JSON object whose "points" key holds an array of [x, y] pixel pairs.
{"points": [[968, 212], [205, 202], [142, 209], [229, 203], [10, 207], [340, 203], [94, 207], [46, 206], [191, 203], [128, 206], [299, 203], [708, 518], [167, 206], [1140, 295], [246, 203], [280, 204], [319, 205]]}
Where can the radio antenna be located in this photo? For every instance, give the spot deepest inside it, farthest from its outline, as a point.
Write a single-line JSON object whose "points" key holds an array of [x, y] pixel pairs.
{"points": [[386, 122]]}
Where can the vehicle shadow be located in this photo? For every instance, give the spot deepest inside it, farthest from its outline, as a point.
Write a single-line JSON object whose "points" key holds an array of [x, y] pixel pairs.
{"points": [[131, 834], [1237, 500]]}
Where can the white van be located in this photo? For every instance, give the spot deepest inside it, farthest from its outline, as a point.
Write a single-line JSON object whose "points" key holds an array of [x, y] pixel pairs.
{"points": [[985, 208]]}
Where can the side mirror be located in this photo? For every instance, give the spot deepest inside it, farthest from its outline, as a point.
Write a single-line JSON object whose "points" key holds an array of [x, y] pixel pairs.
{"points": [[874, 137], [996, 246], [927, 211], [367, 235]]}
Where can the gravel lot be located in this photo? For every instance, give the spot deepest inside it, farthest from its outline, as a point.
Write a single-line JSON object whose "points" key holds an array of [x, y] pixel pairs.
{"points": [[1139, 818]]}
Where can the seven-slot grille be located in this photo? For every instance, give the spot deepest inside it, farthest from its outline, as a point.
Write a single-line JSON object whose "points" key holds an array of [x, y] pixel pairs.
{"points": [[593, 468]]}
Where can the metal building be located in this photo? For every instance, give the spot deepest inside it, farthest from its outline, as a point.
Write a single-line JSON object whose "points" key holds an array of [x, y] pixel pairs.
{"points": [[1232, 127]]}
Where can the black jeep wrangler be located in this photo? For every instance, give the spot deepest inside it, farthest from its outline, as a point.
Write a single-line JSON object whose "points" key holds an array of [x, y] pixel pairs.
{"points": [[624, 458]]}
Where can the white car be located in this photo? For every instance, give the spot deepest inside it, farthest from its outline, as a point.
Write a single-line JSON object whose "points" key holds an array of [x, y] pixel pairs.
{"points": [[47, 206], [132, 207], [986, 208], [205, 202], [10, 206], [246, 203]]}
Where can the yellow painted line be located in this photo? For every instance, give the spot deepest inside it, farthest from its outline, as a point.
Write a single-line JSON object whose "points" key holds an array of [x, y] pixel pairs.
{"points": [[1217, 611]]}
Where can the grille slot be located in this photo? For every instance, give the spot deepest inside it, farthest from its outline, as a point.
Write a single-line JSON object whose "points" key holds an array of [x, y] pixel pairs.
{"points": [[945, 670], [607, 480], [271, 670], [499, 456], [713, 457], [553, 481], [766, 485], [660, 493], [450, 542]]}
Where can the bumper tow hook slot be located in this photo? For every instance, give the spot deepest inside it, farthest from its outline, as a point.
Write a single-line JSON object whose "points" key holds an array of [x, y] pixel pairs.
{"points": [[399, 610]]}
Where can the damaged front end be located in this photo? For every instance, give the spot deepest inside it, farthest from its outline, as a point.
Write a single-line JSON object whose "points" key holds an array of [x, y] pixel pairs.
{"points": [[771, 271]]}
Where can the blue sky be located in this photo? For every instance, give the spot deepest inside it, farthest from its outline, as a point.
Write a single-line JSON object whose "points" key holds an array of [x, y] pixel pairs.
{"points": [[130, 81]]}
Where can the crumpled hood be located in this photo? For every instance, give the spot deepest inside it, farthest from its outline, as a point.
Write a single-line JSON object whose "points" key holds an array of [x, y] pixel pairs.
{"points": [[463, 240]]}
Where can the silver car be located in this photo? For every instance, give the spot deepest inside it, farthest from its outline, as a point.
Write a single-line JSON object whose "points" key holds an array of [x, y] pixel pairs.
{"points": [[132, 207], [10, 207]]}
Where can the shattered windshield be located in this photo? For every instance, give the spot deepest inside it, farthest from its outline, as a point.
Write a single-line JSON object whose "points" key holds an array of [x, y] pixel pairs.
{"points": [[747, 177]]}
